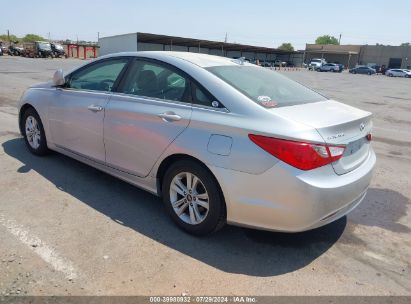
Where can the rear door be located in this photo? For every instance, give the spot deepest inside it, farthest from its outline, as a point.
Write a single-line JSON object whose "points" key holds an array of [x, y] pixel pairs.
{"points": [[152, 107]]}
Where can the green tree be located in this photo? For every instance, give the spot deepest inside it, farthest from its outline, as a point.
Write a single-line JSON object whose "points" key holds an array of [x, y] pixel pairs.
{"points": [[327, 39], [13, 38], [286, 46], [32, 38], [405, 44]]}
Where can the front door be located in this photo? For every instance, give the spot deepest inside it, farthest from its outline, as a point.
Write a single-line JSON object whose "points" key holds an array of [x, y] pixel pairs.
{"points": [[151, 110], [76, 113]]}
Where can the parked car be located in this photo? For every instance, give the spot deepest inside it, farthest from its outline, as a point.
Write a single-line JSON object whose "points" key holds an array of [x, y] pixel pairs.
{"points": [[383, 69], [219, 139], [280, 63], [1, 51], [15, 50], [341, 66], [57, 50], [398, 73], [4, 50], [39, 49], [316, 63], [377, 68], [362, 70], [329, 67]]}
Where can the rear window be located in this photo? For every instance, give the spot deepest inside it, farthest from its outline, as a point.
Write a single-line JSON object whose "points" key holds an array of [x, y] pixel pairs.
{"points": [[265, 87]]}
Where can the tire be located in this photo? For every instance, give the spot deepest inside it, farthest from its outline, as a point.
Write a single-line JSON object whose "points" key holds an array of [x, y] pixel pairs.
{"points": [[33, 133], [206, 221], [369, 73]]}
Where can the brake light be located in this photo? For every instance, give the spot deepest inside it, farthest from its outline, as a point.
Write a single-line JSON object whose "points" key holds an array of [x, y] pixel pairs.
{"points": [[302, 155]]}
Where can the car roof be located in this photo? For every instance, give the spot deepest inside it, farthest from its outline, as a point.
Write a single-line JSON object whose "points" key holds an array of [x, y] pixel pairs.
{"points": [[202, 60]]}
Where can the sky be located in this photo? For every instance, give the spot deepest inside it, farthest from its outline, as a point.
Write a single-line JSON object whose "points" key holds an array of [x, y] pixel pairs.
{"points": [[256, 22]]}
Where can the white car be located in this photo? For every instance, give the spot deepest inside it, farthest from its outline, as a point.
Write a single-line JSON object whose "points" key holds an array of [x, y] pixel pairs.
{"points": [[316, 63], [398, 73]]}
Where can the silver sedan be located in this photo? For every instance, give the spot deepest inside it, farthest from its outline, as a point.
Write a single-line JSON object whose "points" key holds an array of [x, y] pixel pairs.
{"points": [[219, 139]]}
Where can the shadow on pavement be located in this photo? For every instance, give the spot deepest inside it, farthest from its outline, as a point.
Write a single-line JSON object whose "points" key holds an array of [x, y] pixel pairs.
{"points": [[233, 249]]}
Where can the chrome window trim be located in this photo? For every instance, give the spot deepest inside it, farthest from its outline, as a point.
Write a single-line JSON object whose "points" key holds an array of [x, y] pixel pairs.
{"points": [[148, 99]]}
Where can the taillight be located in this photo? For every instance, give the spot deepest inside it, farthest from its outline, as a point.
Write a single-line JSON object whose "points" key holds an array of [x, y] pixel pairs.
{"points": [[369, 137], [302, 155]]}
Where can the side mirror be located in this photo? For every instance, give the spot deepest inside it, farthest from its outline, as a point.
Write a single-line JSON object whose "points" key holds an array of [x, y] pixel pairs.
{"points": [[58, 78]]}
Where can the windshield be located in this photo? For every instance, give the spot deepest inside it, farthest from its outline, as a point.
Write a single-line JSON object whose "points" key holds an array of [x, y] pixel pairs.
{"points": [[316, 60], [58, 46], [44, 46], [265, 87]]}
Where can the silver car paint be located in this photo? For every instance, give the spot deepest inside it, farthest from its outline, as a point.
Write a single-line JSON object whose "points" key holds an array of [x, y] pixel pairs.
{"points": [[74, 126], [259, 190]]}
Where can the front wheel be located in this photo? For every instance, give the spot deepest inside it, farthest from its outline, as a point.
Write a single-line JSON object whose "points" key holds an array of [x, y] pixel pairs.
{"points": [[34, 135], [193, 198]]}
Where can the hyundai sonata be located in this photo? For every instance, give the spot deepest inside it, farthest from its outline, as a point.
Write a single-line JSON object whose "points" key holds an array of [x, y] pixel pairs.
{"points": [[220, 140]]}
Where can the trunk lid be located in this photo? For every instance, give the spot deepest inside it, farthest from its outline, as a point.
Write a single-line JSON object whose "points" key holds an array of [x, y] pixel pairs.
{"points": [[338, 124]]}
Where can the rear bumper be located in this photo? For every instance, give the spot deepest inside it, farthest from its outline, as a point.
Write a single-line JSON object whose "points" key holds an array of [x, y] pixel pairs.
{"points": [[287, 199]]}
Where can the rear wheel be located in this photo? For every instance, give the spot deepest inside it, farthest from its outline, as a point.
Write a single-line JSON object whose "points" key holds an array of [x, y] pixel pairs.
{"points": [[193, 198], [34, 135]]}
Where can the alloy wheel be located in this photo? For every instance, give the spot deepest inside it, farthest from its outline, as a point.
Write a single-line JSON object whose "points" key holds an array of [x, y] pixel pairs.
{"points": [[189, 198], [33, 132]]}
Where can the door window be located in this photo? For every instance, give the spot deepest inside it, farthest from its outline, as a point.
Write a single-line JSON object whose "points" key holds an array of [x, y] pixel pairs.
{"points": [[100, 76], [150, 79], [203, 98]]}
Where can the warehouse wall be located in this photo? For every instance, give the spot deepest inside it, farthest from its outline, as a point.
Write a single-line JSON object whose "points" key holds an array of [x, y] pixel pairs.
{"points": [[120, 43], [143, 46], [217, 52], [381, 54], [233, 54]]}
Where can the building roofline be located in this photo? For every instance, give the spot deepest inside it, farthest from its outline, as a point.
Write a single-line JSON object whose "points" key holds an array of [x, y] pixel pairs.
{"points": [[202, 43]]}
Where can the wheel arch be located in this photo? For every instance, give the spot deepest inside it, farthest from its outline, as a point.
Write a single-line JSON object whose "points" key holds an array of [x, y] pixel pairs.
{"points": [[23, 109], [171, 159]]}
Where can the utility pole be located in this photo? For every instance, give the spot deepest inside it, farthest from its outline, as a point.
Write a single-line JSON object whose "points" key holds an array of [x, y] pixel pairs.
{"points": [[339, 40], [49, 36], [226, 38], [98, 36], [8, 35]]}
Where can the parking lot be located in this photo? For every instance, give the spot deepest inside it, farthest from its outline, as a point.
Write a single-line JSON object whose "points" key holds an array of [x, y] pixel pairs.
{"points": [[68, 229]]}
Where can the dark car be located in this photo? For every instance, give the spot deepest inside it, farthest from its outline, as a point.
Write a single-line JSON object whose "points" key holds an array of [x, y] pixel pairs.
{"points": [[377, 68], [15, 50], [58, 50], [362, 70]]}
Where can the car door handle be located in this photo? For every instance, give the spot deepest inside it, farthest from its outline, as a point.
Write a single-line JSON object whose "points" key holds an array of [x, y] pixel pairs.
{"points": [[95, 108], [169, 116]]}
